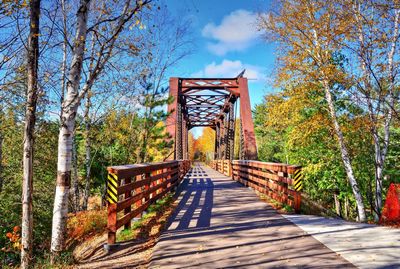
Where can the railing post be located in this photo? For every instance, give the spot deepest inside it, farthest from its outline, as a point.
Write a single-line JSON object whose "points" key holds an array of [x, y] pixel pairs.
{"points": [[298, 186], [112, 200], [112, 223]]}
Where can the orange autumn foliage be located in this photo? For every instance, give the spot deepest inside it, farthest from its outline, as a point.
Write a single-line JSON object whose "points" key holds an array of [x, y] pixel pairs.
{"points": [[14, 238], [85, 224]]}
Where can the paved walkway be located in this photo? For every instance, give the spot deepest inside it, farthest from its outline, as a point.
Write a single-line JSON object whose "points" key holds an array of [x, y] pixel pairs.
{"points": [[364, 245], [220, 224]]}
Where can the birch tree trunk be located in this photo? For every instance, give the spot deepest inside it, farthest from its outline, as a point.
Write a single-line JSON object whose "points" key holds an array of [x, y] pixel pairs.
{"points": [[68, 115], [30, 119], [345, 154], [319, 58], [70, 107], [75, 182], [376, 105], [338, 208], [64, 60], [88, 151]]}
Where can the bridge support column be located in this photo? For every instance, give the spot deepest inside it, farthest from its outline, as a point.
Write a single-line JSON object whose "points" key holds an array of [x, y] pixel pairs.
{"points": [[249, 139], [230, 143], [172, 119], [185, 139], [179, 134]]}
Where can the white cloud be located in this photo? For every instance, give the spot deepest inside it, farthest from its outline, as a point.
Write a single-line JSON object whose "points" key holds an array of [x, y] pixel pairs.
{"points": [[228, 68], [236, 32]]}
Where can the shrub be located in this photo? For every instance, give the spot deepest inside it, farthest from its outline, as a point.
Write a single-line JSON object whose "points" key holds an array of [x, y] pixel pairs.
{"points": [[85, 224]]}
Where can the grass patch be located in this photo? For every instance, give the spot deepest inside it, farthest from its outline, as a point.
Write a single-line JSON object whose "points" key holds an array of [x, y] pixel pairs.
{"points": [[64, 261]]}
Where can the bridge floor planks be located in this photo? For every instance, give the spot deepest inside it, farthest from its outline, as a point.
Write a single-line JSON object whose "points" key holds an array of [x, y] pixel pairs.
{"points": [[221, 224]]}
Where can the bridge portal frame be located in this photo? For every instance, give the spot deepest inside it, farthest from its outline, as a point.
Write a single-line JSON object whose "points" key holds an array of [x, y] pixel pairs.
{"points": [[210, 102]]}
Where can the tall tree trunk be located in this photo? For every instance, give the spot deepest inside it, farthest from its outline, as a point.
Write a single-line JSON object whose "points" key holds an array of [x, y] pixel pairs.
{"points": [[64, 60], [30, 119], [383, 99], [338, 207], [68, 116], [318, 57], [88, 150], [75, 179], [346, 208], [345, 154]]}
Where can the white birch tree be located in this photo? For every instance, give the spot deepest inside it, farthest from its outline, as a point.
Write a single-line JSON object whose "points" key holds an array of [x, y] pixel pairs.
{"points": [[114, 23], [372, 48], [30, 118], [309, 34]]}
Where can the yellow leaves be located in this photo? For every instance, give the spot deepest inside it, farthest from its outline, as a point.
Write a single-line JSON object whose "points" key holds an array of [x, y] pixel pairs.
{"points": [[137, 23], [203, 145]]}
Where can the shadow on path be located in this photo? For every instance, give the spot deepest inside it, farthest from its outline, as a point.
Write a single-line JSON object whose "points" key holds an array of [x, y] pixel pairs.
{"points": [[218, 223]]}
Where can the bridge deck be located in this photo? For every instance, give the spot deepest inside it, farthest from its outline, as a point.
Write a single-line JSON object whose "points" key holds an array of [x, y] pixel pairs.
{"points": [[219, 223]]}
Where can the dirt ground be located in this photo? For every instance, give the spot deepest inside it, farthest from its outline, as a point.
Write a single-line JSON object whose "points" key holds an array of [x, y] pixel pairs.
{"points": [[134, 253]]}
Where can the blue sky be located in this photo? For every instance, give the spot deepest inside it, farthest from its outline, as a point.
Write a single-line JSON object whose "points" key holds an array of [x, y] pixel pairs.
{"points": [[227, 41]]}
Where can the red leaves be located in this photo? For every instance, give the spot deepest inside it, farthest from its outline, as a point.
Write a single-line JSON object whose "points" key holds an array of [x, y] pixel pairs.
{"points": [[391, 211]]}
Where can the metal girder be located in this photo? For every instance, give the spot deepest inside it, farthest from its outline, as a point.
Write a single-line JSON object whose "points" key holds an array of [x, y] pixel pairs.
{"points": [[214, 83], [200, 102]]}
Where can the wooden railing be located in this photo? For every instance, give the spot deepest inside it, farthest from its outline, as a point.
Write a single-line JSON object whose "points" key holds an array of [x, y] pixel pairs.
{"points": [[281, 182], [131, 189], [222, 166]]}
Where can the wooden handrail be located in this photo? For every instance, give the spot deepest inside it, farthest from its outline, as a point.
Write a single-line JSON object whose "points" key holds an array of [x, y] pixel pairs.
{"points": [[131, 189], [281, 182]]}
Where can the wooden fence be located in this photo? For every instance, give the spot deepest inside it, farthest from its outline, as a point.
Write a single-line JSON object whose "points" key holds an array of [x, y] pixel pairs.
{"points": [[131, 189], [281, 182]]}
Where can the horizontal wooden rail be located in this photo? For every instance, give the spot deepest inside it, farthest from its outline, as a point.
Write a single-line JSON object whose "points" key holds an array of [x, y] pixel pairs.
{"points": [[131, 189], [222, 166], [281, 182]]}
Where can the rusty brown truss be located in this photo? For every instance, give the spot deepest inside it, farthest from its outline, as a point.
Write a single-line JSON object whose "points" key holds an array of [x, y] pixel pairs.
{"points": [[210, 102]]}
